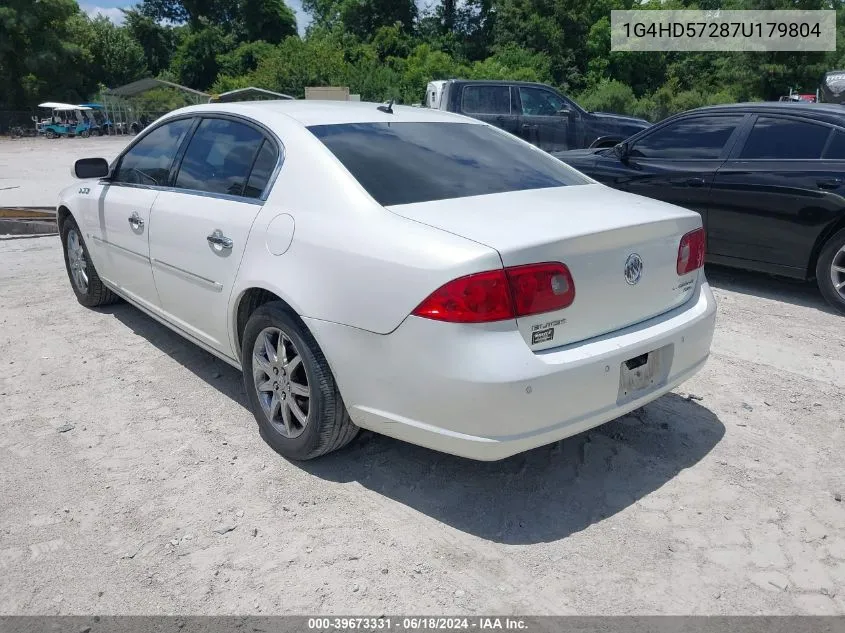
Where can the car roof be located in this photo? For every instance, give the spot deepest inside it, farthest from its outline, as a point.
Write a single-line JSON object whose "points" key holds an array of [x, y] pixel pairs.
{"points": [[315, 112], [499, 82], [824, 111]]}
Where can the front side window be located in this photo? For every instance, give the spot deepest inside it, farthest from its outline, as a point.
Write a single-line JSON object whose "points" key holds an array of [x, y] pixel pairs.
{"points": [[702, 137], [404, 163], [539, 102], [486, 100], [773, 137], [148, 161], [219, 157]]}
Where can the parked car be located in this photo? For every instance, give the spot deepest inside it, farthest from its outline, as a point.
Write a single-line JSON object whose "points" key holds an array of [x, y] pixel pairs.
{"points": [[412, 272], [535, 112], [767, 178]]}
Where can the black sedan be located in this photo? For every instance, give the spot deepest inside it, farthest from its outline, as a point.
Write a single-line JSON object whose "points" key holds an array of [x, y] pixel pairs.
{"points": [[767, 178]]}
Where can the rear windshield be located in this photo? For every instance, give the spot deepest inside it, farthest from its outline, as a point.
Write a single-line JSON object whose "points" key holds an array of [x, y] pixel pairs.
{"points": [[402, 163]]}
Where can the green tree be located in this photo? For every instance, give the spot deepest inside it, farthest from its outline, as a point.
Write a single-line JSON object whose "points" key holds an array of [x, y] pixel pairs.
{"points": [[196, 62], [38, 56], [157, 41], [113, 56], [362, 17], [247, 20], [267, 20]]}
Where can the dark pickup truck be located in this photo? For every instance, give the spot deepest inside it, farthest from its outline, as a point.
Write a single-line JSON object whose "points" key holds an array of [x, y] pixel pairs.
{"points": [[535, 112]]}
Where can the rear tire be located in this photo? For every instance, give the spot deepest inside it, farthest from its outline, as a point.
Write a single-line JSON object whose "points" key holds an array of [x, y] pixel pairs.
{"points": [[281, 363], [87, 286], [830, 271]]}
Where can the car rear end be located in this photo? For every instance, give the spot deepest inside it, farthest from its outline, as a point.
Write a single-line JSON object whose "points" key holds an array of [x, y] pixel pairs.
{"points": [[600, 304]]}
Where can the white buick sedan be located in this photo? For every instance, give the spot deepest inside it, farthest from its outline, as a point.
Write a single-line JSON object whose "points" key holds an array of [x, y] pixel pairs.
{"points": [[409, 271]]}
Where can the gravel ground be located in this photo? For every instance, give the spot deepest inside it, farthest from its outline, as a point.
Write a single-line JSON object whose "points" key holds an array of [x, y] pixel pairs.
{"points": [[134, 481], [34, 170]]}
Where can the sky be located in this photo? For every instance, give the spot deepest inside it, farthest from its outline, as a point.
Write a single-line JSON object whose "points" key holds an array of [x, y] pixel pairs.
{"points": [[111, 9]]}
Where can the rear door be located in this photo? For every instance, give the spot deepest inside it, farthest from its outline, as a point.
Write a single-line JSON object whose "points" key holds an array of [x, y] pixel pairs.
{"points": [[200, 226], [677, 162], [546, 119], [491, 103], [781, 187], [139, 176]]}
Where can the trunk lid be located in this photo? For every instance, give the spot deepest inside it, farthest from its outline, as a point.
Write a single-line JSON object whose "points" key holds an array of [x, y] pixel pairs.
{"points": [[621, 249]]}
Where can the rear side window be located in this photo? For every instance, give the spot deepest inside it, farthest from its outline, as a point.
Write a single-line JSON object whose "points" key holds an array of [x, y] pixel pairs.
{"points": [[403, 163], [219, 157], [836, 149], [693, 138], [263, 169], [148, 161], [773, 137], [486, 100]]}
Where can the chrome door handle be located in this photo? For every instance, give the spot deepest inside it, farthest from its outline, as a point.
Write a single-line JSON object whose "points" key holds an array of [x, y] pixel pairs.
{"points": [[218, 239], [135, 221]]}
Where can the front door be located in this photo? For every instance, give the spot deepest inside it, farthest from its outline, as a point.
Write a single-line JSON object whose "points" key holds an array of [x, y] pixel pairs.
{"points": [[200, 228], [676, 162], [124, 211], [546, 119]]}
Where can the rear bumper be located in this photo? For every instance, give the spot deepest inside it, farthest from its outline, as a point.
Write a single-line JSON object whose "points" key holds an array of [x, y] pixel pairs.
{"points": [[480, 392]]}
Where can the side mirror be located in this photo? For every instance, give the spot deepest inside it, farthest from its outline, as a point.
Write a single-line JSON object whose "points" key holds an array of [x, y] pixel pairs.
{"points": [[91, 168], [564, 112], [621, 151]]}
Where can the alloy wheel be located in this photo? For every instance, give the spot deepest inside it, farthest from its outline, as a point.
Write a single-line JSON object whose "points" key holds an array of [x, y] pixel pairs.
{"points": [[76, 261], [837, 272], [281, 382]]}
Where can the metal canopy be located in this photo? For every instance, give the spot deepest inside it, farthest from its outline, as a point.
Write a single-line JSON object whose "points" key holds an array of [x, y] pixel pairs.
{"points": [[53, 105], [143, 85], [247, 93]]}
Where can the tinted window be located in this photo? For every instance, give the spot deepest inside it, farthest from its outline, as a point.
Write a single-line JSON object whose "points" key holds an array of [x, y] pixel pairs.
{"points": [[262, 170], [149, 161], [486, 100], [693, 138], [785, 138], [401, 163], [219, 157], [836, 149], [539, 102]]}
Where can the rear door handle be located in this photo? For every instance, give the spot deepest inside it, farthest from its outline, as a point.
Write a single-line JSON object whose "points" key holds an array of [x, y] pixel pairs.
{"points": [[218, 239], [829, 183], [694, 182]]}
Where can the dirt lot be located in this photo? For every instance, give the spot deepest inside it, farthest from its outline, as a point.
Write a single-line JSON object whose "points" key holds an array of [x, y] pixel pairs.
{"points": [[133, 481], [34, 170]]}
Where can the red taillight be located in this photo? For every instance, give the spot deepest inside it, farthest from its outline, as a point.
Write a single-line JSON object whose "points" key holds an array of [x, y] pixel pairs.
{"points": [[540, 288], [691, 252], [501, 294]]}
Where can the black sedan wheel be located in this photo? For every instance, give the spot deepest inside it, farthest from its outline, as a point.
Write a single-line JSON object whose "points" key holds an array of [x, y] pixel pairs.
{"points": [[830, 271]]}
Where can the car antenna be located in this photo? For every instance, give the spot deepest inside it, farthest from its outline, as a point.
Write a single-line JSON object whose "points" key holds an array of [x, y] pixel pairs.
{"points": [[387, 108]]}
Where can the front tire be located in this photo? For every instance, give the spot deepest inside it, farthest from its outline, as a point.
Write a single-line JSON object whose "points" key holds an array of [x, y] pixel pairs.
{"points": [[290, 388], [87, 286], [830, 271]]}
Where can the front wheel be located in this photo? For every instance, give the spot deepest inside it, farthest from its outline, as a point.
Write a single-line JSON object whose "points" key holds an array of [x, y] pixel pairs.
{"points": [[50, 134], [830, 271], [291, 390], [87, 286]]}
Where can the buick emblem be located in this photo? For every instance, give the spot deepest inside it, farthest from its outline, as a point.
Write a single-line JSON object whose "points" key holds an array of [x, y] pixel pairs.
{"points": [[633, 269]]}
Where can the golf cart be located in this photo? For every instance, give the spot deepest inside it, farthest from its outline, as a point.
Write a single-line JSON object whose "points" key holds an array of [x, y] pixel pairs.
{"points": [[100, 123], [65, 120]]}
